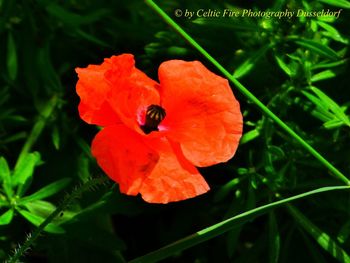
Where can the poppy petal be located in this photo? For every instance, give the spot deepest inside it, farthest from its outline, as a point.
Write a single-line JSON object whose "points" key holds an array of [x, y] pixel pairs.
{"points": [[93, 90], [132, 92], [173, 178], [202, 112], [124, 157], [104, 116]]}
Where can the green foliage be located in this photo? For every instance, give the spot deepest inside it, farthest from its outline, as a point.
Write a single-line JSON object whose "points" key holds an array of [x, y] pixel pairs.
{"points": [[340, 3], [11, 57], [327, 110], [47, 191], [322, 238], [294, 97], [232, 222]]}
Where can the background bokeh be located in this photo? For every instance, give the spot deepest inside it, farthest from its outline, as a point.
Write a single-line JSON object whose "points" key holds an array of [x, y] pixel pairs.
{"points": [[298, 67]]}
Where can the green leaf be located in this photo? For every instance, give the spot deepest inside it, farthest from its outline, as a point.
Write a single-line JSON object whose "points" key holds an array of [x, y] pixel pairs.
{"points": [[56, 137], [25, 168], [330, 65], [319, 103], [48, 73], [40, 208], [231, 24], [274, 239], [337, 3], [326, 74], [249, 136], [322, 238], [326, 19], [37, 220], [314, 26], [312, 248], [22, 188], [4, 202], [332, 32], [177, 51], [83, 168], [15, 137], [91, 38], [344, 232], [250, 63], [284, 67], [278, 5], [232, 240], [328, 28], [307, 70], [316, 47], [45, 112], [44, 209], [333, 106], [6, 217], [332, 124], [226, 189], [327, 110], [5, 177], [320, 114], [73, 19], [295, 58], [84, 146], [12, 63], [223, 227], [324, 111], [276, 152], [47, 191]]}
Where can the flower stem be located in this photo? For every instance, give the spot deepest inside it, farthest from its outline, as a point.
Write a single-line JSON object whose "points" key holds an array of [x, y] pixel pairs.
{"points": [[247, 93], [66, 202]]}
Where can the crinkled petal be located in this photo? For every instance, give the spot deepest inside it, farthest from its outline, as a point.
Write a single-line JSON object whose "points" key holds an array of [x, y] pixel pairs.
{"points": [[131, 94], [93, 90], [104, 116], [173, 178], [202, 112], [124, 157]]}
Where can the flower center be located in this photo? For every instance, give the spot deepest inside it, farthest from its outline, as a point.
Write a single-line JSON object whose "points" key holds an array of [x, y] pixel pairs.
{"points": [[154, 115]]}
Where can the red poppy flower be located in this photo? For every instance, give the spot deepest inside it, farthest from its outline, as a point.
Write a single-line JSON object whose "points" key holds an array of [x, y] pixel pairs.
{"points": [[154, 134]]}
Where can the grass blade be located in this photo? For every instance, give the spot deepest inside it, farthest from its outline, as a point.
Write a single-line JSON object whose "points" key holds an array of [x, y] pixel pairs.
{"points": [[224, 226]]}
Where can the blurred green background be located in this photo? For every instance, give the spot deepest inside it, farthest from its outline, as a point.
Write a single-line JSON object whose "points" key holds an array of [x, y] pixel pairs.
{"points": [[298, 67]]}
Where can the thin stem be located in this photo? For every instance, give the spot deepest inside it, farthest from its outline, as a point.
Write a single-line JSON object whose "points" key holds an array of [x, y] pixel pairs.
{"points": [[247, 93], [224, 226], [67, 200]]}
